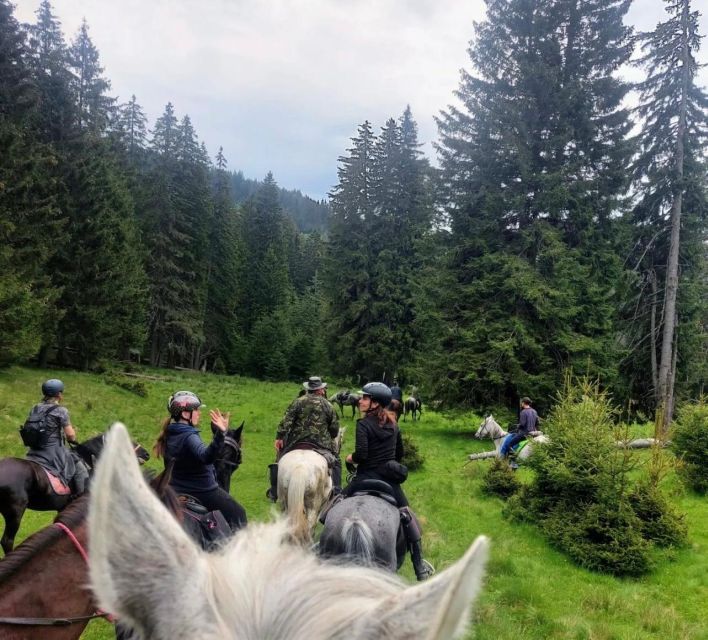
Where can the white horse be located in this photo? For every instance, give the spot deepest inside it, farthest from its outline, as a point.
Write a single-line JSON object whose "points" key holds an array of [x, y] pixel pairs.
{"points": [[490, 428], [304, 485], [147, 571]]}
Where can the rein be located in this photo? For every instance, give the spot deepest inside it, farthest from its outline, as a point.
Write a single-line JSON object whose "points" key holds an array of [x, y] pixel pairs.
{"points": [[66, 621]]}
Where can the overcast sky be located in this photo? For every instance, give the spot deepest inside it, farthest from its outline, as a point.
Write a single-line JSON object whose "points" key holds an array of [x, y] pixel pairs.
{"points": [[283, 84]]}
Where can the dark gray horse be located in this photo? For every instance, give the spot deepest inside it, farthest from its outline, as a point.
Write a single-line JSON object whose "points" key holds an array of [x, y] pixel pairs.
{"points": [[364, 529], [346, 398], [412, 405]]}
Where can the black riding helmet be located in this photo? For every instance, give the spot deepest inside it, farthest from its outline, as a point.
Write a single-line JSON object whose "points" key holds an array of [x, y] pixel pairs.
{"points": [[52, 388], [378, 392], [183, 401]]}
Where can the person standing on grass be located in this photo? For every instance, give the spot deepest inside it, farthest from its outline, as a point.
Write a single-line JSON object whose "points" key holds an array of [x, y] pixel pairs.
{"points": [[193, 472]]}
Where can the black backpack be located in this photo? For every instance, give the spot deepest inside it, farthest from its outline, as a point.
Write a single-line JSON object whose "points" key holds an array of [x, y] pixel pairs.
{"points": [[35, 431]]}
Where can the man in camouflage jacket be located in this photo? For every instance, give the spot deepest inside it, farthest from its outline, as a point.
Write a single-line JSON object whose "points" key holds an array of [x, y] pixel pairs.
{"points": [[310, 418]]}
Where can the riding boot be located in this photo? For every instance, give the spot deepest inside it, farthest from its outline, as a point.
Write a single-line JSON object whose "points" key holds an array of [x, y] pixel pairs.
{"points": [[80, 479], [423, 569], [337, 477], [272, 493]]}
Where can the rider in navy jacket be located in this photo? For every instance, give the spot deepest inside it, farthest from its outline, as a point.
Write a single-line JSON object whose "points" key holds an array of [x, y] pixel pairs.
{"points": [[193, 470], [194, 461]]}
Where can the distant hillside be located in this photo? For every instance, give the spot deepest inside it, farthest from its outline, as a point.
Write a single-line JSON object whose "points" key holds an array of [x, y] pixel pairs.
{"points": [[308, 214]]}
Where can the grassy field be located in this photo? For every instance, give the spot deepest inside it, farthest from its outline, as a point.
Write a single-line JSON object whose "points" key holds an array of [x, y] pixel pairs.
{"points": [[532, 591]]}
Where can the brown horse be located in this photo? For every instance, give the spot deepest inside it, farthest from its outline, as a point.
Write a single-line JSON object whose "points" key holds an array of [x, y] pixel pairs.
{"points": [[47, 576], [44, 590], [24, 485]]}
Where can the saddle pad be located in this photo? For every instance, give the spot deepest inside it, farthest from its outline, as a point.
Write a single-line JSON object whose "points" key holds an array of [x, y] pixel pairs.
{"points": [[57, 485]]}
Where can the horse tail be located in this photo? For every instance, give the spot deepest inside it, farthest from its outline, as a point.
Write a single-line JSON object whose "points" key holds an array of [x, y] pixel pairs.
{"points": [[297, 486], [358, 541]]}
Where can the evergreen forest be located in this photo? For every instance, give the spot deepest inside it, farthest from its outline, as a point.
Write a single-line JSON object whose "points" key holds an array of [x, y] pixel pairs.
{"points": [[562, 227]]}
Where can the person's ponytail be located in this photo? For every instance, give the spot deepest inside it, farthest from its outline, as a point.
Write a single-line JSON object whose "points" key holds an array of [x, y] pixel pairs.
{"points": [[161, 442]]}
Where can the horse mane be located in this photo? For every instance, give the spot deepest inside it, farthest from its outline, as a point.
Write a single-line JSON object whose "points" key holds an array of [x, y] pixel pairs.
{"points": [[72, 516]]}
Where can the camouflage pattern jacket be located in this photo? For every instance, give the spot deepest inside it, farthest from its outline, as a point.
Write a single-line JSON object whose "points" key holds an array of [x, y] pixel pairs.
{"points": [[310, 418]]}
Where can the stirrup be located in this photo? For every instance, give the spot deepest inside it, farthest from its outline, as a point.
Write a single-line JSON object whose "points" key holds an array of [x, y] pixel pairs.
{"points": [[270, 495], [426, 570]]}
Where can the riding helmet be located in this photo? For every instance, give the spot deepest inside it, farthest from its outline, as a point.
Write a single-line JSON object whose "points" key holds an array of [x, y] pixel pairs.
{"points": [[183, 401], [378, 392], [52, 388]]}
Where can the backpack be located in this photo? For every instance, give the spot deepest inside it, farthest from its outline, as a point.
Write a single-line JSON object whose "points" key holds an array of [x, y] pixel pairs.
{"points": [[35, 431]]}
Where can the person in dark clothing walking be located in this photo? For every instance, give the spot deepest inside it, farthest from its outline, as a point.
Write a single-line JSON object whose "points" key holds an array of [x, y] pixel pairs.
{"points": [[528, 423], [377, 455], [193, 472]]}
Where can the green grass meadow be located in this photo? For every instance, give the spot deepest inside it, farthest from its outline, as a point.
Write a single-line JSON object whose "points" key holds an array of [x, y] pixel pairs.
{"points": [[531, 591]]}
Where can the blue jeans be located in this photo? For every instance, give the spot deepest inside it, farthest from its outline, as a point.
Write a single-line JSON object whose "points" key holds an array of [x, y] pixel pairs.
{"points": [[510, 442]]}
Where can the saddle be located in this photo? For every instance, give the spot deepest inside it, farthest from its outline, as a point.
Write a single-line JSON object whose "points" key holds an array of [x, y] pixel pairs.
{"points": [[378, 488], [310, 446], [57, 484], [208, 528]]}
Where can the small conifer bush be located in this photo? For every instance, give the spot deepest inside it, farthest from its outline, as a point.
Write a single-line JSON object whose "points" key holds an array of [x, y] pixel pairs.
{"points": [[500, 480], [690, 444], [412, 457]]}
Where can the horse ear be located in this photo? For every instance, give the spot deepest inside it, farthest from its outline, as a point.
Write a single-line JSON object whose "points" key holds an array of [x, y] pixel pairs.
{"points": [[239, 432], [143, 567], [439, 606]]}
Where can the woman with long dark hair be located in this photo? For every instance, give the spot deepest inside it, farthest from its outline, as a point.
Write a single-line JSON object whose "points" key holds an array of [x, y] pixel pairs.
{"points": [[193, 471], [377, 455]]}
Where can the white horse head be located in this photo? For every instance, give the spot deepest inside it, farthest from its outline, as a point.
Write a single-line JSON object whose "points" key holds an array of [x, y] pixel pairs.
{"points": [[146, 570], [304, 486], [489, 428]]}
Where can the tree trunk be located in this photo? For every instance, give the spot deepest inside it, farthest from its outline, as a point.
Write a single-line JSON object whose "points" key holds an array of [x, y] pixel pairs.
{"points": [[668, 341], [654, 364]]}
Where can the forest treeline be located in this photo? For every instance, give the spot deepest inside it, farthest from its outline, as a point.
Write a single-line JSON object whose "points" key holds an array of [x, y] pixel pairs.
{"points": [[563, 228]]}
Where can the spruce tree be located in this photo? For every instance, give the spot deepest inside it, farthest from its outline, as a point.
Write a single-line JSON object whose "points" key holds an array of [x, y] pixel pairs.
{"points": [[534, 165], [348, 267], [225, 267], [266, 282], [30, 220], [94, 109], [670, 216]]}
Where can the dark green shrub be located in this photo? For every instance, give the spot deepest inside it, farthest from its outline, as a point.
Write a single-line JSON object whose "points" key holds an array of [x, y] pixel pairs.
{"points": [[689, 439], [600, 537], [500, 480], [134, 386], [412, 457], [658, 520]]}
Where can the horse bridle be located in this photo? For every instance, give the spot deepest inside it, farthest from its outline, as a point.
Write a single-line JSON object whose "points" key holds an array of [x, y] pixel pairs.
{"points": [[232, 444], [66, 621]]}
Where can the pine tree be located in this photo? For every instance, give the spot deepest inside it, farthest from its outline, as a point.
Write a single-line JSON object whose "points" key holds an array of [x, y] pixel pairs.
{"points": [[225, 268], [94, 108], [101, 269], [131, 126], [671, 214], [29, 217], [533, 167], [266, 283], [348, 267], [56, 114]]}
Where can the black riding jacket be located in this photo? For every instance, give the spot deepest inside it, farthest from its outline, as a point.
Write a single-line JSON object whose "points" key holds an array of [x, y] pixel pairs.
{"points": [[194, 461], [376, 444]]}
